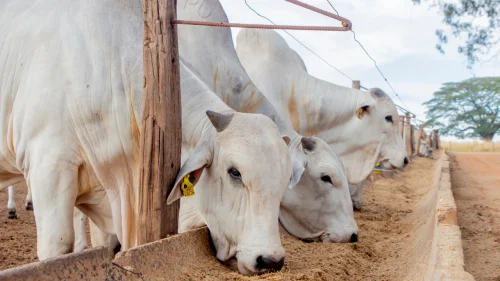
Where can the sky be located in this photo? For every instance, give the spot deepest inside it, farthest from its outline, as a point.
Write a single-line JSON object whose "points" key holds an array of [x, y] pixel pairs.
{"points": [[399, 35]]}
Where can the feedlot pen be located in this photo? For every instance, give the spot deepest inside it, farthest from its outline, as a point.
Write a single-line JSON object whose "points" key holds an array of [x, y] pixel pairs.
{"points": [[396, 227]]}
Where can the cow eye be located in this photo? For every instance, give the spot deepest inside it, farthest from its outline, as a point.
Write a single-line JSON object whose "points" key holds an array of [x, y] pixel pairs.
{"points": [[234, 173], [326, 179], [388, 118]]}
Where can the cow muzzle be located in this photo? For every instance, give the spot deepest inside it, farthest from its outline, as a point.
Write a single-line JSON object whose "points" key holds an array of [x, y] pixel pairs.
{"points": [[258, 262], [347, 237]]}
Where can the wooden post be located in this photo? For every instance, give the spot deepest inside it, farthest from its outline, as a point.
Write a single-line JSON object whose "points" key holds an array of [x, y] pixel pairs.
{"points": [[401, 125], [419, 137], [412, 139], [407, 127], [436, 142], [161, 132], [356, 84]]}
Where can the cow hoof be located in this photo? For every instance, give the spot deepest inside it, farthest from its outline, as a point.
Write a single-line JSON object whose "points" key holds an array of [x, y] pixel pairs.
{"points": [[28, 206], [12, 214], [114, 245]]}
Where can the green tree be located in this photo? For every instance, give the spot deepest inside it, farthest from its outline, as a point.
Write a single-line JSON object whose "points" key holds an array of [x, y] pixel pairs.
{"points": [[476, 21], [467, 109]]}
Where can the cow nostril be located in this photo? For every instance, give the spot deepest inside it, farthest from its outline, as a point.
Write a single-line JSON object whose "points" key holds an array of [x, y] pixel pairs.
{"points": [[406, 161], [264, 263], [354, 238]]}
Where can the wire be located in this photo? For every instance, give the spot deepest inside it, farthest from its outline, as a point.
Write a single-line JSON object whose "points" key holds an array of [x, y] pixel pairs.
{"points": [[298, 41], [375, 62], [333, 7], [379, 71], [326, 62]]}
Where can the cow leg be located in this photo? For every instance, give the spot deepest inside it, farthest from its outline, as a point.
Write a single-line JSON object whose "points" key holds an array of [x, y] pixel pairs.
{"points": [[28, 203], [98, 238], [11, 203], [54, 189], [79, 220], [98, 209]]}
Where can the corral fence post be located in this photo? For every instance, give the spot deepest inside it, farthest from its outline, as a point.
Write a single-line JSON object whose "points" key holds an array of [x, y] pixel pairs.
{"points": [[160, 151], [419, 137], [407, 135], [435, 139], [412, 139], [356, 84], [401, 125]]}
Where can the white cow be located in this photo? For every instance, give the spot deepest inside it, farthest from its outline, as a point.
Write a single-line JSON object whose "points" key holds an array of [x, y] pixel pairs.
{"points": [[318, 204], [11, 202], [360, 126], [98, 237], [70, 97]]}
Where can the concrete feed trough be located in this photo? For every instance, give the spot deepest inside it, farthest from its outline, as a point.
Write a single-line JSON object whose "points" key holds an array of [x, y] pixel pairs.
{"points": [[408, 231]]}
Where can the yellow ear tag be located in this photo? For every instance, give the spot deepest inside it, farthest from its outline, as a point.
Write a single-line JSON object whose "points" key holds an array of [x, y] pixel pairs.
{"points": [[377, 172], [377, 164], [187, 186], [360, 114]]}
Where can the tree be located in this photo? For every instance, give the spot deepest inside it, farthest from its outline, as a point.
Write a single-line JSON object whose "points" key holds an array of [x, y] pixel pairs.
{"points": [[467, 109], [478, 20]]}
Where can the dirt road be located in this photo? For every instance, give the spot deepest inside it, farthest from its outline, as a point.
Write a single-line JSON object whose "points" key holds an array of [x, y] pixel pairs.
{"points": [[475, 179]]}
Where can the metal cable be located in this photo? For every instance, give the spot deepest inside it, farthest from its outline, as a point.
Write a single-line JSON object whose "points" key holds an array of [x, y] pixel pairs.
{"points": [[376, 65], [379, 71], [332, 7], [298, 41]]}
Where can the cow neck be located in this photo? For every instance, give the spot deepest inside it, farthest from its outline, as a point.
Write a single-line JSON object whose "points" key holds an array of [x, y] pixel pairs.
{"points": [[210, 51], [323, 105], [196, 99]]}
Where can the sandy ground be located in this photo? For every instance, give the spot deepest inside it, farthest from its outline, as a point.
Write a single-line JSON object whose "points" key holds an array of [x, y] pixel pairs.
{"points": [[395, 224], [396, 219], [475, 179], [17, 237]]}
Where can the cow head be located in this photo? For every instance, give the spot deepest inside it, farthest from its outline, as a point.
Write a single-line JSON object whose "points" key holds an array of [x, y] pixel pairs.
{"points": [[240, 176], [318, 203], [392, 146], [425, 149], [373, 137]]}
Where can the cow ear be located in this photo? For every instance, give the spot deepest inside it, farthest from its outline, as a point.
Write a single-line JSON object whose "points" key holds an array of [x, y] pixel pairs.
{"points": [[298, 170], [362, 111], [191, 171], [287, 139]]}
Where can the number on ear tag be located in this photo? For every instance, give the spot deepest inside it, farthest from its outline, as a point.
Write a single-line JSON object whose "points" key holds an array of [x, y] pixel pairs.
{"points": [[187, 186], [360, 114]]}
